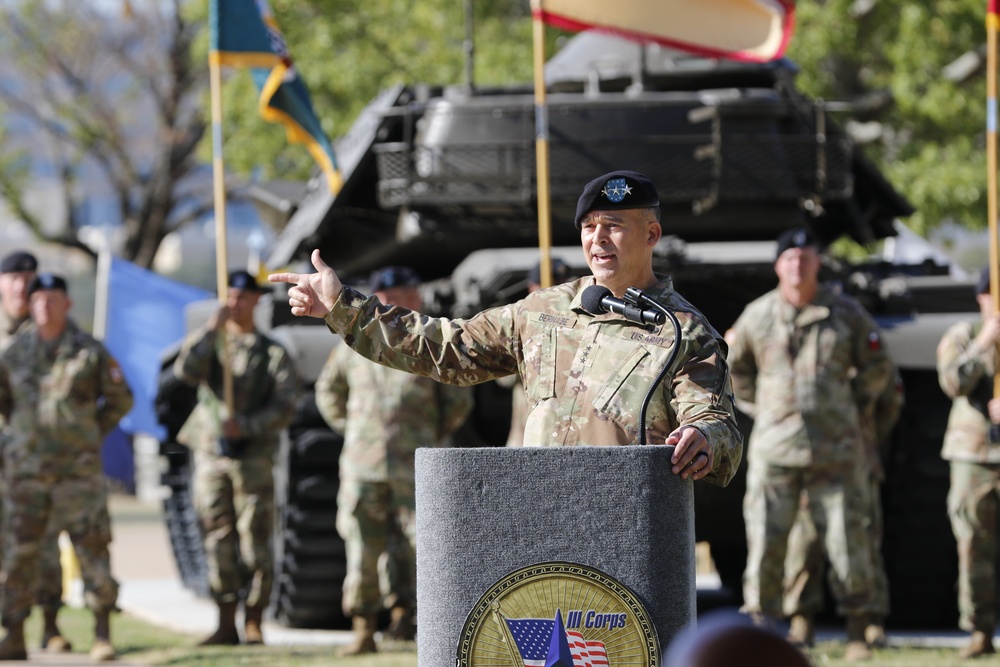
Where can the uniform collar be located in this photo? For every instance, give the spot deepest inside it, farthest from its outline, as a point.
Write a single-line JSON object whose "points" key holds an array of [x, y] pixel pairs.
{"points": [[816, 310]]}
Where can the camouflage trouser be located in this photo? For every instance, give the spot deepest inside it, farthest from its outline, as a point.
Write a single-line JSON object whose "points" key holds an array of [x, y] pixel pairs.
{"points": [[839, 505], [367, 514], [972, 506], [50, 583], [805, 564], [235, 503], [394, 570], [78, 506]]}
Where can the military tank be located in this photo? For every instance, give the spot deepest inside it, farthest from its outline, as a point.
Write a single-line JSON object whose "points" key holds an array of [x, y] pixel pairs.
{"points": [[443, 179]]}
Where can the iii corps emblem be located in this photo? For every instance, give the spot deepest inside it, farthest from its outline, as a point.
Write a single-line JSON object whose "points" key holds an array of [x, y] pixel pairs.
{"points": [[558, 614]]}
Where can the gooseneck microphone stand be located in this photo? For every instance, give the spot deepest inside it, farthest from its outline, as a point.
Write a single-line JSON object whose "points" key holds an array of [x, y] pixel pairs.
{"points": [[636, 297]]}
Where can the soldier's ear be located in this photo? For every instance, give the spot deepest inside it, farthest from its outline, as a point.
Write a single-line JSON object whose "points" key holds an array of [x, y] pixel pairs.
{"points": [[655, 232]]}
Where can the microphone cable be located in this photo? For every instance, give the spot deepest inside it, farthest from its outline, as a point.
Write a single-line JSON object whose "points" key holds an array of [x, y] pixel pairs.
{"points": [[637, 298]]}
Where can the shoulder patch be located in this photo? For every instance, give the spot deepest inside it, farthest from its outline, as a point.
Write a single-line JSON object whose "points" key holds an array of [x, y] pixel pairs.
{"points": [[874, 341]]}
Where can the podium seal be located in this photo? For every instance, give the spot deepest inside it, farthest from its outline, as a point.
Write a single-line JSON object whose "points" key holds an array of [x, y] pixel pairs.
{"points": [[558, 614]]}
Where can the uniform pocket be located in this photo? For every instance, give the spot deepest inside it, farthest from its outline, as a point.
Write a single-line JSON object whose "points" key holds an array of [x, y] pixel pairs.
{"points": [[541, 359], [620, 399]]}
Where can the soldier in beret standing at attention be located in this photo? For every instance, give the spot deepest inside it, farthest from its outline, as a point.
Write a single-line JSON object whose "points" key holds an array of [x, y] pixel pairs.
{"points": [[61, 394], [585, 374], [234, 453], [16, 273], [384, 415], [808, 362]]}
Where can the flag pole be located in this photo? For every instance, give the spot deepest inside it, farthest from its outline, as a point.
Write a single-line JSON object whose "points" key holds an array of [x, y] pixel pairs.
{"points": [[102, 293], [219, 196], [542, 148], [992, 24]]}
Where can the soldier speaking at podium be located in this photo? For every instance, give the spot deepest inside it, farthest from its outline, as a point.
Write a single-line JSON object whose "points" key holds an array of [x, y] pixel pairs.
{"points": [[585, 375]]}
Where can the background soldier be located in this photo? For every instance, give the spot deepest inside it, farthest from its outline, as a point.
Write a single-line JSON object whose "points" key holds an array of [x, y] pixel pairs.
{"points": [[234, 483], [16, 272], [804, 563], [385, 415], [61, 393], [966, 363], [807, 358]]}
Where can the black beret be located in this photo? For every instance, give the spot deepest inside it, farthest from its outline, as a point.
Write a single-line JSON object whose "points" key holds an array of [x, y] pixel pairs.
{"points": [[798, 237], [560, 272], [393, 276], [18, 261], [46, 281], [244, 281], [983, 286], [616, 191]]}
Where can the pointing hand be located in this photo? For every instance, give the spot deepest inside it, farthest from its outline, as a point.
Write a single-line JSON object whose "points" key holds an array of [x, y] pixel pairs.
{"points": [[312, 294]]}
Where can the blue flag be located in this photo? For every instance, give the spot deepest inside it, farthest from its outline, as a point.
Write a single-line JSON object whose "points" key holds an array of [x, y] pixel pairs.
{"points": [[145, 316], [245, 34]]}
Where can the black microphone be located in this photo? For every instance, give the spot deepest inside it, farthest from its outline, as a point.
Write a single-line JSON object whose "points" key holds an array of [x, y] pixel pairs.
{"points": [[597, 299]]}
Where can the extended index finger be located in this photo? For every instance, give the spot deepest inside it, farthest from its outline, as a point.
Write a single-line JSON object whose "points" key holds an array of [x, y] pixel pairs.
{"points": [[293, 278]]}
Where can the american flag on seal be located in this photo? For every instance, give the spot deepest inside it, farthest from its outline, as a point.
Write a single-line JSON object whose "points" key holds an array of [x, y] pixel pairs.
{"points": [[534, 637]]}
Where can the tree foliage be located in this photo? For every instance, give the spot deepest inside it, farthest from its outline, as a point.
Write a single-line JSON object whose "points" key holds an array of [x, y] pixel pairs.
{"points": [[926, 123], [106, 102]]}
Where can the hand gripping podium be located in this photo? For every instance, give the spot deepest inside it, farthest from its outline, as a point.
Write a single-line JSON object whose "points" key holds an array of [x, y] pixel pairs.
{"points": [[486, 512]]}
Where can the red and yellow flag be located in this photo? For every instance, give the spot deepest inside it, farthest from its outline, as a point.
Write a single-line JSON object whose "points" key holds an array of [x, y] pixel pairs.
{"points": [[750, 30]]}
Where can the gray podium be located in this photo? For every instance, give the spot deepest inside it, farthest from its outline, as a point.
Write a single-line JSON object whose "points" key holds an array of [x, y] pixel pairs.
{"points": [[483, 513]]}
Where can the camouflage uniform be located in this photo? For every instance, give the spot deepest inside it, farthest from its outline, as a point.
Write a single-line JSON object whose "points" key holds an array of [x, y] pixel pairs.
{"points": [[50, 583], [965, 372], [808, 373], [385, 415], [518, 410], [235, 496], [61, 399], [585, 376], [804, 563]]}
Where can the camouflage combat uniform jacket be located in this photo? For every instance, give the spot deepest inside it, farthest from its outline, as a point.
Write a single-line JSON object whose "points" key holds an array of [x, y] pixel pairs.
{"points": [[265, 389], [965, 372], [809, 374], [585, 376], [60, 400], [385, 415], [9, 327]]}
